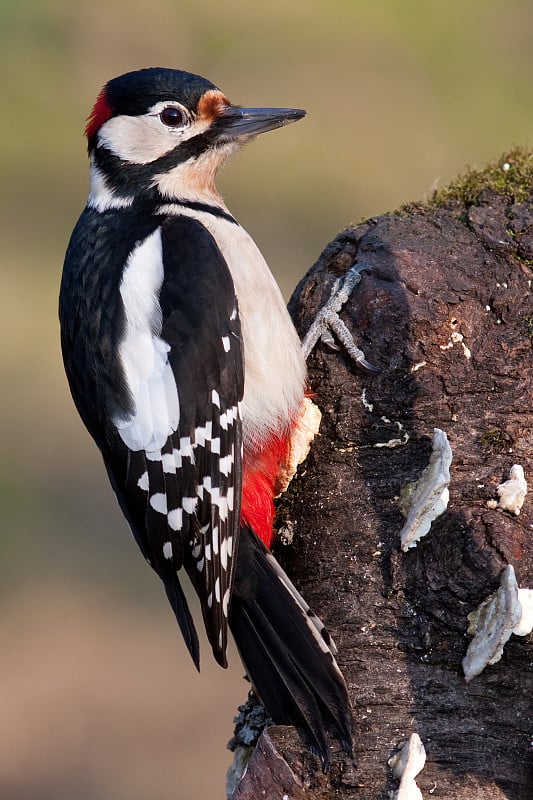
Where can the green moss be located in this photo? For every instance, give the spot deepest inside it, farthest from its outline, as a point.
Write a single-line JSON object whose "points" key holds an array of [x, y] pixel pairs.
{"points": [[494, 441], [511, 176]]}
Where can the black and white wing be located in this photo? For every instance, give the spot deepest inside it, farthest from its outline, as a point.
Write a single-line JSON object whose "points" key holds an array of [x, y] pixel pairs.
{"points": [[175, 458]]}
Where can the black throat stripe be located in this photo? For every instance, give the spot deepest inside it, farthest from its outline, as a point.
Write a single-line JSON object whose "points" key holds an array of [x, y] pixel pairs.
{"points": [[194, 205]]}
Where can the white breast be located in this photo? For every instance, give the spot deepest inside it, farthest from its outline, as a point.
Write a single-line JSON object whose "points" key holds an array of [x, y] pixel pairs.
{"points": [[275, 371]]}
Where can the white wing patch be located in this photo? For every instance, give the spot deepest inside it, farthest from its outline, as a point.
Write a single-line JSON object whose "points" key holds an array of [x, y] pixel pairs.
{"points": [[144, 355]]}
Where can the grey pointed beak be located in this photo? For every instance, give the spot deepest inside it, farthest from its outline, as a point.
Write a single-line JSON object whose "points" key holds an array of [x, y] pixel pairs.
{"points": [[236, 121]]}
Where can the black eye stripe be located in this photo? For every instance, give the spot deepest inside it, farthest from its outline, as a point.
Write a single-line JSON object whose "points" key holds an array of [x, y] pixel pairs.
{"points": [[172, 116]]}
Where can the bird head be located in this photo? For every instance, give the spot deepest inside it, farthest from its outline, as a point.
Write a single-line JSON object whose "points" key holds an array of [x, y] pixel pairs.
{"points": [[165, 133]]}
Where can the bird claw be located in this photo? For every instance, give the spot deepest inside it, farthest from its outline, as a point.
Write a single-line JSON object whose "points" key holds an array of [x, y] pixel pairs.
{"points": [[327, 338], [327, 322]]}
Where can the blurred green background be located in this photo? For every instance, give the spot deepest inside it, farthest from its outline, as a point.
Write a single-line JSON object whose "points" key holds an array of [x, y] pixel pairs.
{"points": [[97, 697]]}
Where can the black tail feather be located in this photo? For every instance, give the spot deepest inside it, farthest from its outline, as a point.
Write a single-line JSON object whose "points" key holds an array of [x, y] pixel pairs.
{"points": [[287, 652], [287, 700], [183, 615]]}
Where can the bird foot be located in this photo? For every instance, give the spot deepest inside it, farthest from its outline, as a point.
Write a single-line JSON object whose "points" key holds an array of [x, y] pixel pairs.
{"points": [[327, 322]]}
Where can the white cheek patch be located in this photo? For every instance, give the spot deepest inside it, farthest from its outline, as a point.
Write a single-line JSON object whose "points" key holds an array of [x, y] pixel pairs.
{"points": [[145, 138], [139, 140], [144, 355]]}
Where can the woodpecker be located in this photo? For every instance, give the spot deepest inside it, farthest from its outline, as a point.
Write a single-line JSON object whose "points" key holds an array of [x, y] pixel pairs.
{"points": [[187, 371]]}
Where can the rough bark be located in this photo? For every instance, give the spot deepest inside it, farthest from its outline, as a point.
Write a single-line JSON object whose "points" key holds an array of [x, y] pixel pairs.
{"points": [[446, 314]]}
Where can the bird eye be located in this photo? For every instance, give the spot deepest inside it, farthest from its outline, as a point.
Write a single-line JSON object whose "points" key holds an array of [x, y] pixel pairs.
{"points": [[172, 117]]}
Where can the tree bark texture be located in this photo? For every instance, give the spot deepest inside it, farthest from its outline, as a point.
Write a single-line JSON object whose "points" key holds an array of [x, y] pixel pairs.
{"points": [[446, 314]]}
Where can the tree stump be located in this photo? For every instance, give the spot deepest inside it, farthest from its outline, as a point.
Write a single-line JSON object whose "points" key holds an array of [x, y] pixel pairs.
{"points": [[446, 314]]}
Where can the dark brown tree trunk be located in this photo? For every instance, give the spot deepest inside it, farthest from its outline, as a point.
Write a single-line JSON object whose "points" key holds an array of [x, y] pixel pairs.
{"points": [[446, 314]]}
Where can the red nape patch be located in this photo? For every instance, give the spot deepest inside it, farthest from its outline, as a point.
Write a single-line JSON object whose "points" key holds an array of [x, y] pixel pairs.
{"points": [[260, 474], [101, 112]]}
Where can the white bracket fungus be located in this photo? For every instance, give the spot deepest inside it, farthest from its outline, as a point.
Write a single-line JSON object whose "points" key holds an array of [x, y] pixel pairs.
{"points": [[525, 625], [511, 493], [305, 431], [406, 765], [508, 610], [429, 496]]}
